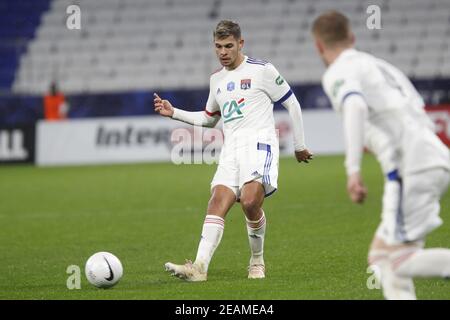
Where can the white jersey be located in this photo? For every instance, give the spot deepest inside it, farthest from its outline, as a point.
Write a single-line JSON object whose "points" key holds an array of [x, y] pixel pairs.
{"points": [[378, 143], [394, 107], [244, 97]]}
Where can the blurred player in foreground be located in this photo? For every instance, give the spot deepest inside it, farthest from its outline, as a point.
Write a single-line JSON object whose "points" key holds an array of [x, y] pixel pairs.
{"points": [[416, 163], [242, 92]]}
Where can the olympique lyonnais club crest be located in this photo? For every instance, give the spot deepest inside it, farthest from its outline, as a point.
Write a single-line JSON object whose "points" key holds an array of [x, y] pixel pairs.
{"points": [[246, 84]]}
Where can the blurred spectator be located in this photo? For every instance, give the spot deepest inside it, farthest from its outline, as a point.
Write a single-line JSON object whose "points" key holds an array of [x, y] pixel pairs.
{"points": [[55, 106]]}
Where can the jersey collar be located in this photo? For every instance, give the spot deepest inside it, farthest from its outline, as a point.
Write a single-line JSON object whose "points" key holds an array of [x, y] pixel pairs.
{"points": [[344, 54]]}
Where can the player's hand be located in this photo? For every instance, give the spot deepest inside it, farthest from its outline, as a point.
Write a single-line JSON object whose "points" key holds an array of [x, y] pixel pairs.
{"points": [[163, 107], [303, 156], [356, 188]]}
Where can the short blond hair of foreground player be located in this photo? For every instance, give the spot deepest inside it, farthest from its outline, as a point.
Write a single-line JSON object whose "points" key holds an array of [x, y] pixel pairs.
{"points": [[242, 93], [367, 89]]}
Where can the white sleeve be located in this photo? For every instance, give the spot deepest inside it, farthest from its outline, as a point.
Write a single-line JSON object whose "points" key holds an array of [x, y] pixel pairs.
{"points": [[354, 109], [212, 107], [197, 118], [274, 85], [379, 144], [340, 83], [295, 112], [207, 118]]}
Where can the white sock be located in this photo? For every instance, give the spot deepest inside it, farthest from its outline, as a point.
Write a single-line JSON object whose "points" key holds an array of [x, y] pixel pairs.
{"points": [[211, 235], [256, 231], [393, 286], [424, 263]]}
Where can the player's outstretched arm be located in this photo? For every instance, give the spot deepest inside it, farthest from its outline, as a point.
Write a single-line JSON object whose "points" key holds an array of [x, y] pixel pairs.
{"points": [[198, 118]]}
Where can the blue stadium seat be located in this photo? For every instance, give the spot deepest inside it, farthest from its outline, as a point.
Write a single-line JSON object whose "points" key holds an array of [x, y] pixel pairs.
{"points": [[17, 26]]}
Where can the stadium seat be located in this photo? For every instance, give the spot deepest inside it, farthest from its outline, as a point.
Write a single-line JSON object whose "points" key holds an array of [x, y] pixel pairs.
{"points": [[123, 43]]}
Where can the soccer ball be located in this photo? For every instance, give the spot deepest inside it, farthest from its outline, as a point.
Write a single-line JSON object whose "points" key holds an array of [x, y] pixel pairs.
{"points": [[103, 270]]}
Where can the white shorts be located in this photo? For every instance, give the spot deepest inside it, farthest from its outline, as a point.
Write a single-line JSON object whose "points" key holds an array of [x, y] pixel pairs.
{"points": [[257, 161], [411, 206]]}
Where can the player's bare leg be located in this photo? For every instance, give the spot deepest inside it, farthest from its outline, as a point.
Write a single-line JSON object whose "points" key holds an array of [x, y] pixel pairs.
{"points": [[408, 260], [222, 199], [413, 261], [252, 198]]}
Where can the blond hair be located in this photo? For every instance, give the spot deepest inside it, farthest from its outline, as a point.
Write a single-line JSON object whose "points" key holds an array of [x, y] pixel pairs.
{"points": [[333, 28]]}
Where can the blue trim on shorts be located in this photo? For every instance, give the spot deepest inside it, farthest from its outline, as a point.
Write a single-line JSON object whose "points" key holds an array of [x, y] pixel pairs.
{"points": [[268, 162], [393, 175], [270, 193], [400, 232], [268, 167], [263, 146]]}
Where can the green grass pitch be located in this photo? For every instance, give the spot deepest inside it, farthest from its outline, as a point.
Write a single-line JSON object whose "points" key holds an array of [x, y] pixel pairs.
{"points": [[148, 214]]}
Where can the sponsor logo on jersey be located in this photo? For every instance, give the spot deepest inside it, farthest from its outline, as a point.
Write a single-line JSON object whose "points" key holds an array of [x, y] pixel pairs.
{"points": [[246, 84], [230, 86], [279, 80], [231, 110]]}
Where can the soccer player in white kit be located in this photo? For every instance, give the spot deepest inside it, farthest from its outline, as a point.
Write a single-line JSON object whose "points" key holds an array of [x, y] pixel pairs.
{"points": [[378, 100], [242, 93]]}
